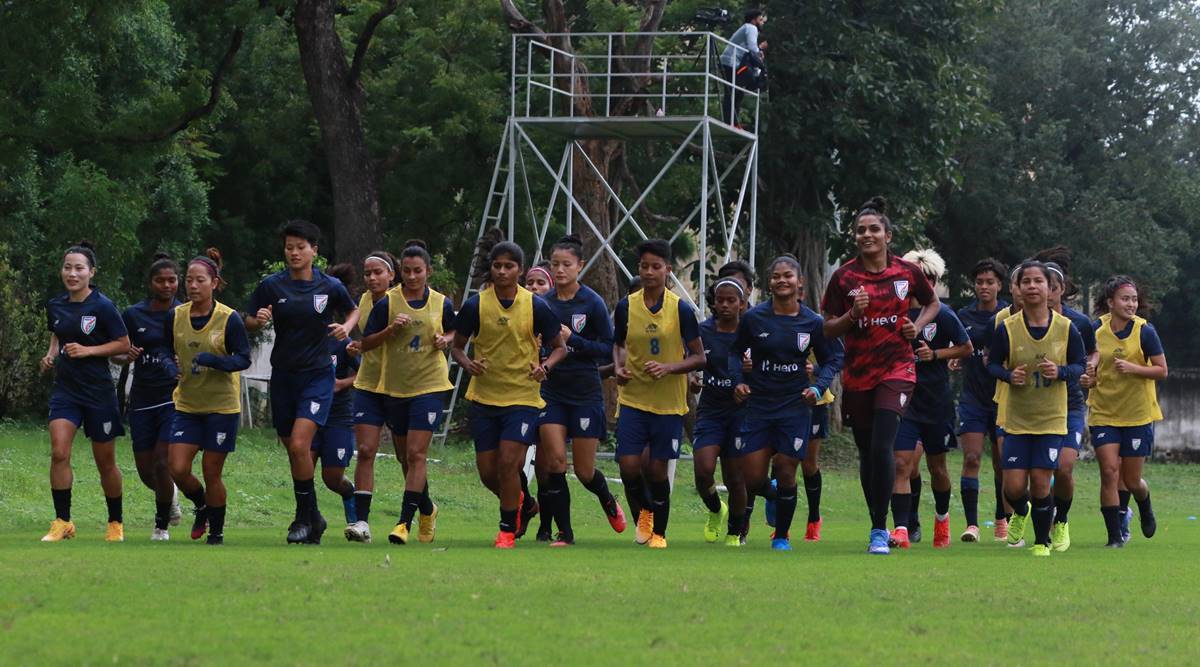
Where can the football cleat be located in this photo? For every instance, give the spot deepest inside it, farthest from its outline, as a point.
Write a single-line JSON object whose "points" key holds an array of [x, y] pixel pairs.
{"points": [[427, 526], [59, 530]]}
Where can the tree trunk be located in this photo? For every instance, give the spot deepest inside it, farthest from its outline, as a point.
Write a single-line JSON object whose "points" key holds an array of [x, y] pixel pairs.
{"points": [[809, 247], [337, 102], [594, 199]]}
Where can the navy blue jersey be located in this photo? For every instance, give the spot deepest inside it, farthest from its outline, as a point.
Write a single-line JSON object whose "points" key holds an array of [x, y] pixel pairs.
{"points": [[689, 323], [721, 372], [932, 401], [1076, 400], [576, 380], [91, 322], [341, 412], [237, 343], [545, 322], [779, 346], [978, 385], [302, 311], [1151, 343], [378, 320], [154, 371]]}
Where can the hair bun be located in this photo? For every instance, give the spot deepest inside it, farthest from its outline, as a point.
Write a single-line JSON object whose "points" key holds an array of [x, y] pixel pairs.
{"points": [[416, 242], [214, 255], [159, 256], [877, 204], [572, 239], [84, 243]]}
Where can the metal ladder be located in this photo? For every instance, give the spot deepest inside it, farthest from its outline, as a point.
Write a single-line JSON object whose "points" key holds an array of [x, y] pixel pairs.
{"points": [[493, 213]]}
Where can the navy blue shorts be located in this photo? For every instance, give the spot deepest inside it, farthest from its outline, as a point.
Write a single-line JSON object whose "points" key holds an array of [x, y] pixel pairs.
{"points": [[820, 422], [935, 438], [150, 426], [582, 421], [1026, 452], [1134, 441], [718, 431], [490, 424], [300, 396], [974, 419], [211, 432], [100, 424], [638, 429], [416, 413], [784, 434], [335, 445], [371, 408], [1076, 425]]}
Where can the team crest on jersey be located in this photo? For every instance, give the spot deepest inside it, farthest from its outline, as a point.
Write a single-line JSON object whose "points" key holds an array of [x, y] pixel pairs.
{"points": [[1136, 443], [901, 287], [802, 341], [87, 323], [578, 322], [431, 416], [585, 422], [220, 438], [930, 331], [1053, 455], [320, 301], [314, 407]]}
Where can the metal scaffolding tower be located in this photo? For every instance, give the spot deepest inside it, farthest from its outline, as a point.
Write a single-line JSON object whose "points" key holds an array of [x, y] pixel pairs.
{"points": [[690, 96]]}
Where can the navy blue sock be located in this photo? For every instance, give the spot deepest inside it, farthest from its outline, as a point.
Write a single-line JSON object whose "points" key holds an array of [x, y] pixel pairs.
{"points": [[1124, 497], [785, 511], [362, 505], [1042, 509], [114, 509], [812, 493], [62, 503], [941, 502], [914, 505], [969, 488], [900, 509], [660, 492]]}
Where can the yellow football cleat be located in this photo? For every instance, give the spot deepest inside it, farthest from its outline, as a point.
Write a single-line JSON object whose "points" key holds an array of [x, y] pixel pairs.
{"points": [[426, 525], [115, 532], [645, 527], [733, 540], [399, 534], [1040, 550], [59, 530], [657, 542]]}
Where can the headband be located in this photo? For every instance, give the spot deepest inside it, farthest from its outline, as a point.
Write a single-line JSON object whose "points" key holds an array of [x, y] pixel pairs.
{"points": [[731, 282], [209, 262], [387, 262], [538, 268], [1053, 268]]}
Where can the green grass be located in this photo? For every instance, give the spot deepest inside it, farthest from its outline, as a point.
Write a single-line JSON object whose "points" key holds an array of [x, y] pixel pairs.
{"points": [[604, 601]]}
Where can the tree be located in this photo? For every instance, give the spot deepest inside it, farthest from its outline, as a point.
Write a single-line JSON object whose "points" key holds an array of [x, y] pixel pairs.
{"points": [[866, 98], [1095, 145], [337, 95]]}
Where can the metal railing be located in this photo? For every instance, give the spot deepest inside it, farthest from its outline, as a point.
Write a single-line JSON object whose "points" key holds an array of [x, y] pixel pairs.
{"points": [[680, 76]]}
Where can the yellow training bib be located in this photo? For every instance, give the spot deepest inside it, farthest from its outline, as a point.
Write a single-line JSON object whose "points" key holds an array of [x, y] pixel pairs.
{"points": [[412, 364], [370, 371], [1119, 399], [827, 397], [1039, 406], [654, 337], [1000, 396], [506, 341], [203, 390]]}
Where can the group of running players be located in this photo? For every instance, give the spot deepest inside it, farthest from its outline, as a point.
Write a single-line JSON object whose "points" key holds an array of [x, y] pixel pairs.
{"points": [[536, 344]]}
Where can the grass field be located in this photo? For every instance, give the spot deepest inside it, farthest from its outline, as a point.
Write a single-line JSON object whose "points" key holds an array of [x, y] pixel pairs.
{"points": [[604, 601]]}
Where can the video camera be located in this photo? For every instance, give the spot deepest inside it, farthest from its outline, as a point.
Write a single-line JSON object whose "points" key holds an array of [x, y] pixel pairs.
{"points": [[711, 17]]}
